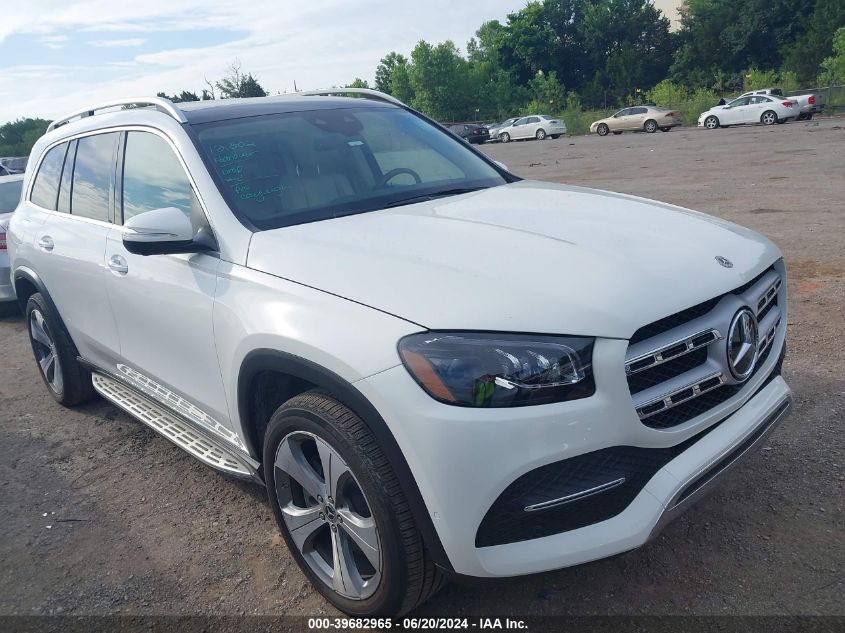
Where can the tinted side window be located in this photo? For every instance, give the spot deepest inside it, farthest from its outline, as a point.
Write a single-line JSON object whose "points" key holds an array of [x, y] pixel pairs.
{"points": [[93, 176], [640, 110], [45, 190], [153, 177], [67, 176], [533, 119]]}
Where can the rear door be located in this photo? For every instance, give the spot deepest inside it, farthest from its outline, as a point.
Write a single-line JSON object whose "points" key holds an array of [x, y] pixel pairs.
{"points": [[163, 303], [71, 242], [636, 121], [755, 108], [531, 127]]}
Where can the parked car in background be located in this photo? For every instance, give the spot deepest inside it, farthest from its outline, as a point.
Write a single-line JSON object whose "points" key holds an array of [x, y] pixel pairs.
{"points": [[471, 132], [10, 195], [12, 165], [808, 104], [498, 127], [637, 119], [537, 126], [765, 109]]}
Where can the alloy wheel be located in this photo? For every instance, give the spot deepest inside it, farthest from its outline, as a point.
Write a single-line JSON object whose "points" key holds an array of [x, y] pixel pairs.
{"points": [[328, 516], [45, 351], [769, 118], [711, 123]]}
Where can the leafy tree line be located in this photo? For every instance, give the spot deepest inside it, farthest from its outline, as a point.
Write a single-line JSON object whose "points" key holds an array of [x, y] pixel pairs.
{"points": [[556, 55]]}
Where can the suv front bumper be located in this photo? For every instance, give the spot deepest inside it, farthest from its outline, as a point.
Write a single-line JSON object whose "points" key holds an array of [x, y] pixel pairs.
{"points": [[462, 460]]}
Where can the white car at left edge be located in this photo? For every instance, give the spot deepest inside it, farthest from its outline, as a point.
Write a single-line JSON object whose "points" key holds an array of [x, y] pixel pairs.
{"points": [[764, 109]]}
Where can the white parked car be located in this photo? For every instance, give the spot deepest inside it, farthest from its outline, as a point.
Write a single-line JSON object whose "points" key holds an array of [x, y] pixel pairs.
{"points": [[289, 298], [538, 126], [764, 109], [809, 103]]}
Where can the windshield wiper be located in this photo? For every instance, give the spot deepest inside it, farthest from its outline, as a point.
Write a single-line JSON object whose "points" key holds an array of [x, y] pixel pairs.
{"points": [[433, 196]]}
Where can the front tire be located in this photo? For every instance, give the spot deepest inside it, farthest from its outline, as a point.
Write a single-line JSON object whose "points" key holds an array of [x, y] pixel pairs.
{"points": [[505, 137], [651, 126], [67, 381], [342, 512], [602, 129], [711, 122], [769, 118]]}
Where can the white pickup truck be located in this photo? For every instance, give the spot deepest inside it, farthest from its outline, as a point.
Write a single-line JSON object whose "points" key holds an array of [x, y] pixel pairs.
{"points": [[810, 103]]}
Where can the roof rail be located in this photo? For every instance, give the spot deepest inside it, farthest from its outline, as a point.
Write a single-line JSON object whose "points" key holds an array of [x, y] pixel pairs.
{"points": [[159, 103], [366, 93]]}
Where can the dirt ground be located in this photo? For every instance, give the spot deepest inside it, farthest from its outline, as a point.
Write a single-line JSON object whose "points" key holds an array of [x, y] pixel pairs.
{"points": [[99, 515]]}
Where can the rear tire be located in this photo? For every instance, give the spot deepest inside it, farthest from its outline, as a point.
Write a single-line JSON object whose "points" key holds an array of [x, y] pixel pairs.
{"points": [[602, 129], [665, 129], [650, 126], [366, 497], [65, 378], [617, 133], [769, 117], [541, 134]]}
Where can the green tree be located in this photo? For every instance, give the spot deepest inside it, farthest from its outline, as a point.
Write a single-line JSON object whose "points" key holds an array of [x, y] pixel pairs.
{"points": [[18, 137], [384, 71], [733, 36], [238, 85], [182, 97], [804, 56], [441, 81], [358, 83], [833, 67]]}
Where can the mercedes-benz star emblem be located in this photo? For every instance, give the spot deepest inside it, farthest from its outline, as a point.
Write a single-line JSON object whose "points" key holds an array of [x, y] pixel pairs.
{"points": [[742, 344], [724, 261]]}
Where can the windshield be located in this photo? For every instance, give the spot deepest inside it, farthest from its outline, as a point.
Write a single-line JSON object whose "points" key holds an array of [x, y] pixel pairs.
{"points": [[283, 169], [10, 195]]}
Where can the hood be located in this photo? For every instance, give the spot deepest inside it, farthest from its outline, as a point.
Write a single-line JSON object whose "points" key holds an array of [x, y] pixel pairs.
{"points": [[523, 257]]}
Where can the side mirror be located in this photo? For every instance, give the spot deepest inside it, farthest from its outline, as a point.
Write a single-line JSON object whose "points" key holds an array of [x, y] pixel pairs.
{"points": [[165, 231]]}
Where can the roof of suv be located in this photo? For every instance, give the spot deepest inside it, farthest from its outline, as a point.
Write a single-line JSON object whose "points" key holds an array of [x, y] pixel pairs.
{"points": [[221, 109]]}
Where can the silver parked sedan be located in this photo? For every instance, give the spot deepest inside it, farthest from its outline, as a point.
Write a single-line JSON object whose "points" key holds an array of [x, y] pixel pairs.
{"points": [[537, 126], [10, 195]]}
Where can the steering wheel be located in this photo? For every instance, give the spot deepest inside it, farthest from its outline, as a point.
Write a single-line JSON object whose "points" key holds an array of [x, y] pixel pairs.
{"points": [[397, 172]]}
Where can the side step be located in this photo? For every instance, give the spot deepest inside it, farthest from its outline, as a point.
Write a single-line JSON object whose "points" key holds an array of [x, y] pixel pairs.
{"points": [[170, 427]]}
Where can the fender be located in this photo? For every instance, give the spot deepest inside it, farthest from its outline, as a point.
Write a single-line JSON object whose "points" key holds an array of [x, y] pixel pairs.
{"points": [[24, 273], [267, 359]]}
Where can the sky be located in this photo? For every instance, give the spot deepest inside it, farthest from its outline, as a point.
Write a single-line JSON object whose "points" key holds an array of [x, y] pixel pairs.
{"points": [[61, 55]]}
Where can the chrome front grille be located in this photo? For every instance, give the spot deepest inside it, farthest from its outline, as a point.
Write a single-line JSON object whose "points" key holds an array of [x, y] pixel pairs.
{"points": [[677, 367]]}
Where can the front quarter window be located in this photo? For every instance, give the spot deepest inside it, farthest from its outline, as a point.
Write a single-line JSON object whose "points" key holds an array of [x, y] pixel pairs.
{"points": [[290, 168]]}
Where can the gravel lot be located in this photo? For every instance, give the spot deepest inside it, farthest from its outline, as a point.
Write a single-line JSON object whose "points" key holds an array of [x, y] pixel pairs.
{"points": [[101, 516]]}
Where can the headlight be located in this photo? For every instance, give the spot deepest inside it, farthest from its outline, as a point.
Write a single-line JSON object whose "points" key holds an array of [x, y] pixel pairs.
{"points": [[481, 369]]}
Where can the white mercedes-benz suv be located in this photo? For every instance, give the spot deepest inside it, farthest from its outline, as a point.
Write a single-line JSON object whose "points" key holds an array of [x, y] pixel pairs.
{"points": [[435, 367]]}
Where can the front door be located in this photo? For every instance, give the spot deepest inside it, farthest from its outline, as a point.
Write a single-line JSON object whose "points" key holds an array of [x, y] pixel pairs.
{"points": [[736, 112], [163, 303]]}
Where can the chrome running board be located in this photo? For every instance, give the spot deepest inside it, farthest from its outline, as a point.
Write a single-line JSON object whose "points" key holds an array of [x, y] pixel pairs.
{"points": [[171, 427]]}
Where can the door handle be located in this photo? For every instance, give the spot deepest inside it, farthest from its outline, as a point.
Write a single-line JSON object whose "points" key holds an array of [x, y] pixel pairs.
{"points": [[46, 243], [118, 265]]}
